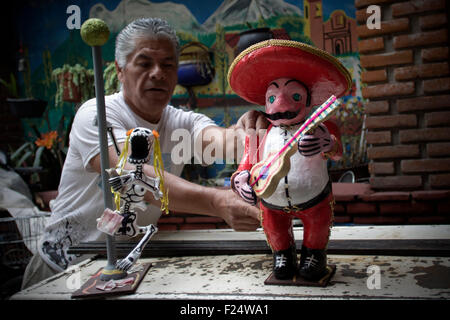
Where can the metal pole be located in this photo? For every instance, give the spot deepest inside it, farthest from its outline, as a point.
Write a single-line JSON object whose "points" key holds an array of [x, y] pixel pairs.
{"points": [[109, 272]]}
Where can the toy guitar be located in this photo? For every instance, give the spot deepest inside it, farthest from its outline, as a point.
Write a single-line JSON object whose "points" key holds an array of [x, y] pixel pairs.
{"points": [[265, 175]]}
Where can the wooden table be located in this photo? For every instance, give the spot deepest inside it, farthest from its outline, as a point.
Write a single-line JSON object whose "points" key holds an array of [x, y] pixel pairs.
{"points": [[406, 271]]}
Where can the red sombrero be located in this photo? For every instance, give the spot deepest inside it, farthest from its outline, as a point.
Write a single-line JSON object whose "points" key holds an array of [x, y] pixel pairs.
{"points": [[255, 67]]}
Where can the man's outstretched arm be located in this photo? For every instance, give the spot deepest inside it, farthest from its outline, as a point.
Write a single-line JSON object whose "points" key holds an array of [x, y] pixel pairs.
{"points": [[185, 196]]}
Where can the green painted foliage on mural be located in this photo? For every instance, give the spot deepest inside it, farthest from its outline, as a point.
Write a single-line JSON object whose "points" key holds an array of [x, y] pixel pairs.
{"points": [[112, 84], [220, 58], [82, 78], [72, 51], [186, 37]]}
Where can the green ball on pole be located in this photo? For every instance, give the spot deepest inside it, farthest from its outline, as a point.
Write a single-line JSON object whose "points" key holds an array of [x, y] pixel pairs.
{"points": [[95, 33]]}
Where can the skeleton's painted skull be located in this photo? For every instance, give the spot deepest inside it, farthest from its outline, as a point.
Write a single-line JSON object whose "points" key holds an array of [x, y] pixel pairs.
{"points": [[141, 142]]}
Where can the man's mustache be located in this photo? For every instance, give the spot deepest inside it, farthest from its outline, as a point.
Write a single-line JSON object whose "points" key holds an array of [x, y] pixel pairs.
{"points": [[281, 115]]}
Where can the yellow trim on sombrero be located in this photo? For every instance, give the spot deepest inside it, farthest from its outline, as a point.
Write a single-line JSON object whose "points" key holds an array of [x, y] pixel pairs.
{"points": [[295, 44]]}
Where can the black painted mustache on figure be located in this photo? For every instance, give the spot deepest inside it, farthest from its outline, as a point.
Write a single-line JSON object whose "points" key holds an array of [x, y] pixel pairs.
{"points": [[281, 115]]}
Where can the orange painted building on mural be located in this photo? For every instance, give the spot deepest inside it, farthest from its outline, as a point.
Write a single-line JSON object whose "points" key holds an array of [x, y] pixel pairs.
{"points": [[337, 35]]}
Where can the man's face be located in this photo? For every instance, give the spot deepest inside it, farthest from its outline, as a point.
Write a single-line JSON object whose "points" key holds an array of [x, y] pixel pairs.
{"points": [[149, 77], [286, 102]]}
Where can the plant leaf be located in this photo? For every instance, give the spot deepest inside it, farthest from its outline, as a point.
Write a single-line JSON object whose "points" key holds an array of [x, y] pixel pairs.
{"points": [[19, 151], [37, 158], [24, 157]]}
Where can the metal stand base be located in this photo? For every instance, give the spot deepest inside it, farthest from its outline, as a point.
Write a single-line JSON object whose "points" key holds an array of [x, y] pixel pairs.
{"points": [[93, 287], [109, 273]]}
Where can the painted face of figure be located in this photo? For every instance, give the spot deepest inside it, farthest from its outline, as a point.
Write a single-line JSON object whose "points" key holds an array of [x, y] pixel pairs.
{"points": [[286, 101]]}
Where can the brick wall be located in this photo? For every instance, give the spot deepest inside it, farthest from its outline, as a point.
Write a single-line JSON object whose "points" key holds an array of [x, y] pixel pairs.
{"points": [[360, 204], [407, 83], [186, 221], [356, 203]]}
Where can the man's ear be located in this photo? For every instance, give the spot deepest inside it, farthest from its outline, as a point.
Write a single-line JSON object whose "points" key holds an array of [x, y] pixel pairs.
{"points": [[119, 71]]}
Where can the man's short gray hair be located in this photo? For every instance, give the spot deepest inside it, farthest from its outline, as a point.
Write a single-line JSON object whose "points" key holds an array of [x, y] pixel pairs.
{"points": [[142, 28]]}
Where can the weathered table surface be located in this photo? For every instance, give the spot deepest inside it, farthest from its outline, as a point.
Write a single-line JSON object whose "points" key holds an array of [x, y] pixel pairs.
{"points": [[241, 277]]}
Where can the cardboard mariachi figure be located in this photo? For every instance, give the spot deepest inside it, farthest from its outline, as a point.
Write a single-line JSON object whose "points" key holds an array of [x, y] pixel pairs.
{"points": [[129, 188], [287, 171]]}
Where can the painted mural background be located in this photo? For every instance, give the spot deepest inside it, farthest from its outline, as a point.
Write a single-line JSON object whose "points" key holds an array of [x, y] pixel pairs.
{"points": [[47, 44]]}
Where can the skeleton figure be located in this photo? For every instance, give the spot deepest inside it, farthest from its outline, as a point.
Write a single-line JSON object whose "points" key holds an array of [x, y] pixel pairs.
{"points": [[132, 185]]}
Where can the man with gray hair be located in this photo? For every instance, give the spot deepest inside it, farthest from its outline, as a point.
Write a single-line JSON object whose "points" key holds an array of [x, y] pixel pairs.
{"points": [[146, 58]]}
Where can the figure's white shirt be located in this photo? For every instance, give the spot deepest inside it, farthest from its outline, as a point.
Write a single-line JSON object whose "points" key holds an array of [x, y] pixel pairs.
{"points": [[307, 177]]}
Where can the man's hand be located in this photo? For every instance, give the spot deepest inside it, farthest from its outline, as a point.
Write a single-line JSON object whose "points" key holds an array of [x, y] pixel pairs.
{"points": [[238, 214], [252, 120], [250, 124]]}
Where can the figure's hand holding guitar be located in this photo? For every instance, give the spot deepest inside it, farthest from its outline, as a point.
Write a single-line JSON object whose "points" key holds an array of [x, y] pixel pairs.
{"points": [[239, 183], [318, 141]]}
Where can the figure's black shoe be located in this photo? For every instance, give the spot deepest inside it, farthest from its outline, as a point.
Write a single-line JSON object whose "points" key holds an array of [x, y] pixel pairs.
{"points": [[284, 263], [313, 264]]}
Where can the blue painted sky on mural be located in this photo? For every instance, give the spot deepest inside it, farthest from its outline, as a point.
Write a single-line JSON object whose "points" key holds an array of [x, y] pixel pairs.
{"points": [[52, 14], [203, 9], [42, 25]]}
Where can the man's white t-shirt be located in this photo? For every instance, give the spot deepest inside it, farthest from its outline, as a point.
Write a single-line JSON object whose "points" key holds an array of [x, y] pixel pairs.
{"points": [[80, 197]]}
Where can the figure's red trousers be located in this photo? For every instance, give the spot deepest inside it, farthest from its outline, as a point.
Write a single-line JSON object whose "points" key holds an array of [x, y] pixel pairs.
{"points": [[317, 222]]}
